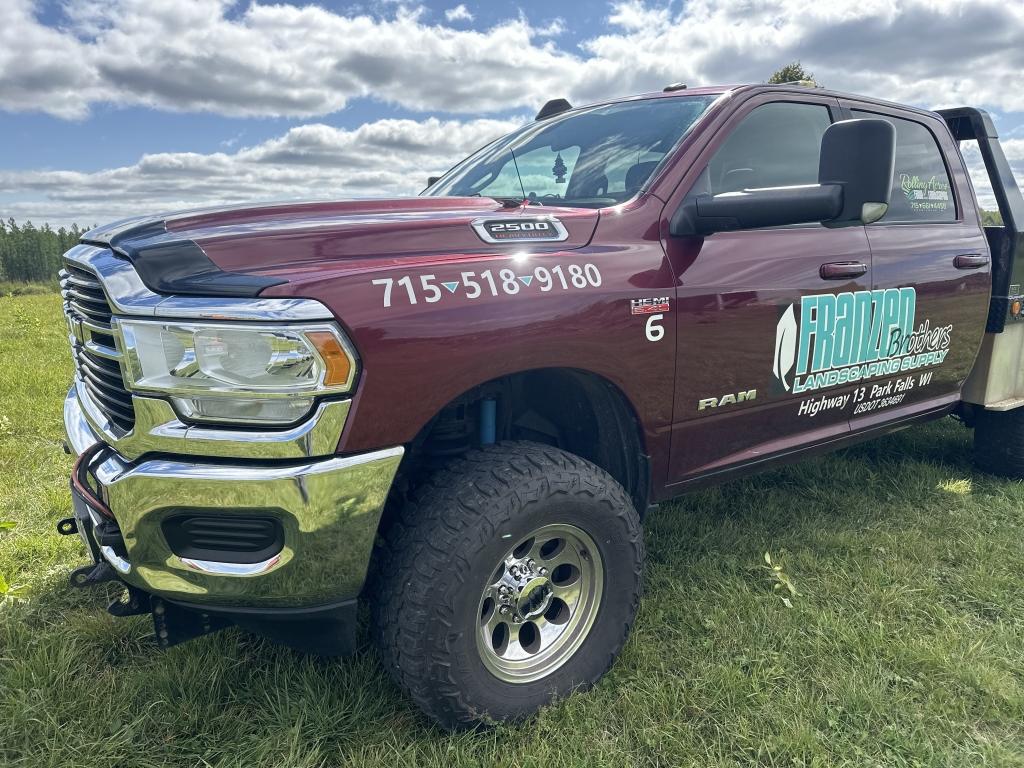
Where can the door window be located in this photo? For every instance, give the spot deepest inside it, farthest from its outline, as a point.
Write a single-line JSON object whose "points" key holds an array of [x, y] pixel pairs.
{"points": [[776, 145], [921, 191]]}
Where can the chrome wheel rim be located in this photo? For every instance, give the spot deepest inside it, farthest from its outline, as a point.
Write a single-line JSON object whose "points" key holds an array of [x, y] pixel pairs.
{"points": [[539, 603]]}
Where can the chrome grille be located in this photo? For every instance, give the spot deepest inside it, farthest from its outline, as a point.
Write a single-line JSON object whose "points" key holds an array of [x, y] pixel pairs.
{"points": [[97, 361]]}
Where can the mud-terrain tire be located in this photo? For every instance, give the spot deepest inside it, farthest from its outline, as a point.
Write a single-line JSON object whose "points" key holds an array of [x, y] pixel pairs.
{"points": [[450, 550], [999, 442]]}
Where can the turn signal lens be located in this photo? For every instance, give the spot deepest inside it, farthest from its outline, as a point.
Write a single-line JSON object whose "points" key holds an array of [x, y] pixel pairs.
{"points": [[339, 367]]}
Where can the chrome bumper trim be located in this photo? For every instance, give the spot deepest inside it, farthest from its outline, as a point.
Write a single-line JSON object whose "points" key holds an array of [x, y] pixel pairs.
{"points": [[129, 295], [232, 569], [80, 435], [158, 430], [121, 565], [329, 510]]}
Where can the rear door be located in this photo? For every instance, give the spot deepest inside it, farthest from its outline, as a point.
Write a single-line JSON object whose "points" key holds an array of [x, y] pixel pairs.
{"points": [[746, 386], [930, 259]]}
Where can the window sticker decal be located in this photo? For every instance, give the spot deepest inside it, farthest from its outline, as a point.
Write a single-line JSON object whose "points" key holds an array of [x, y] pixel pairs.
{"points": [[925, 194]]}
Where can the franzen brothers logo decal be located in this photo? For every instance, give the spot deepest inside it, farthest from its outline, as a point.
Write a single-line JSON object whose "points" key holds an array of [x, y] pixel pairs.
{"points": [[848, 337]]}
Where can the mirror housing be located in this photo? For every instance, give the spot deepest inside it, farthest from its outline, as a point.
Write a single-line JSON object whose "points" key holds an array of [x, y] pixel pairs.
{"points": [[855, 172], [860, 155], [756, 208]]}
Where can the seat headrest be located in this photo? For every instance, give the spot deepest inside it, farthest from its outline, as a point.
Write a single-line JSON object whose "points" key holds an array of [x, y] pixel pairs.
{"points": [[637, 175]]}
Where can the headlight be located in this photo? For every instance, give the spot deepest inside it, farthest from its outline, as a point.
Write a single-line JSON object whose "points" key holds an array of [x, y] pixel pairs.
{"points": [[236, 372]]}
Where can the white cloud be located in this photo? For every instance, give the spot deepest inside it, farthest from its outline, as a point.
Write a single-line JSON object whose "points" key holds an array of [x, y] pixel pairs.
{"points": [[635, 16], [315, 161], [263, 60], [386, 157], [238, 58], [280, 59], [1014, 151], [458, 13]]}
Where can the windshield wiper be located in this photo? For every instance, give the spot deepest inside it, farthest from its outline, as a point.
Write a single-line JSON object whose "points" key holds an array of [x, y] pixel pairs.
{"points": [[514, 202]]}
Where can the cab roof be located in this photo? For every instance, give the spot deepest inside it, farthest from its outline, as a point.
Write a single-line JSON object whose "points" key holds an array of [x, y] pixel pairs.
{"points": [[753, 88]]}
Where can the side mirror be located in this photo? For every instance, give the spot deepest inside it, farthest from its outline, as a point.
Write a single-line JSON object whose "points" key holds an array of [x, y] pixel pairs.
{"points": [[855, 173], [860, 156], [432, 180]]}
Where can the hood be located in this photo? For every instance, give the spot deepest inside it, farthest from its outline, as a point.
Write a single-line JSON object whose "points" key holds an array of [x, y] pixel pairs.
{"points": [[241, 251]]}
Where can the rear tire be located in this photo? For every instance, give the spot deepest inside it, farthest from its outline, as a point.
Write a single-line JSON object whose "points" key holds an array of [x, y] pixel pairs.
{"points": [[510, 577], [999, 442]]}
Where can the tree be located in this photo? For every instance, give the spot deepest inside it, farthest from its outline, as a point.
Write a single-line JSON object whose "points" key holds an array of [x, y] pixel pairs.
{"points": [[991, 218], [792, 73], [33, 254]]}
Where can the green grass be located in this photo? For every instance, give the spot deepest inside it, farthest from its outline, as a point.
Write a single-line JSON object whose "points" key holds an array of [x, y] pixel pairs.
{"points": [[9, 289], [904, 646]]}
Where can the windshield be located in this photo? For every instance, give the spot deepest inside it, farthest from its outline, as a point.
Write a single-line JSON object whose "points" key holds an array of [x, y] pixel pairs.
{"points": [[587, 158]]}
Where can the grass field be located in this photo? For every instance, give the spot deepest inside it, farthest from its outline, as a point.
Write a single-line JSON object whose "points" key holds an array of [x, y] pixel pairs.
{"points": [[904, 646]]}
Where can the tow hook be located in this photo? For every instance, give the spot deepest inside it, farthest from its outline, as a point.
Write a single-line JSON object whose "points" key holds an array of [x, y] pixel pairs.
{"points": [[134, 602], [67, 527], [91, 575]]}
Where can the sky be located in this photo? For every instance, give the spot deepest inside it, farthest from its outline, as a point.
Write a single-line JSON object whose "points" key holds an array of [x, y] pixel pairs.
{"points": [[110, 108]]}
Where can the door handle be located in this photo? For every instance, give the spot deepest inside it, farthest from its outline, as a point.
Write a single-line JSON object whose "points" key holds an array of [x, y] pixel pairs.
{"points": [[970, 261], [842, 270]]}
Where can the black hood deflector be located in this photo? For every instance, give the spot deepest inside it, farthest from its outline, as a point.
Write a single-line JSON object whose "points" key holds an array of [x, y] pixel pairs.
{"points": [[170, 264]]}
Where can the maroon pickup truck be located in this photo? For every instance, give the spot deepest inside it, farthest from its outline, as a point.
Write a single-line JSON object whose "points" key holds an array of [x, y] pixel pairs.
{"points": [[458, 407]]}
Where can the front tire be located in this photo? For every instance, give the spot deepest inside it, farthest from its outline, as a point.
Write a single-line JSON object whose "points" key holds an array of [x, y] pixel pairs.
{"points": [[999, 442], [511, 577]]}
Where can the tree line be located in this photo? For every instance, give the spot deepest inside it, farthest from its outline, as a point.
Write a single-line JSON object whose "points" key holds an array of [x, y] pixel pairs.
{"points": [[33, 254]]}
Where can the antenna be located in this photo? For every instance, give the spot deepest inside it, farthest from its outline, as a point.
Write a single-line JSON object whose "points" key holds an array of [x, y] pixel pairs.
{"points": [[518, 175], [552, 108]]}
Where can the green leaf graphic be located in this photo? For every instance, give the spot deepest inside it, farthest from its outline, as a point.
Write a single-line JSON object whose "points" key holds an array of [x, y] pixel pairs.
{"points": [[785, 345]]}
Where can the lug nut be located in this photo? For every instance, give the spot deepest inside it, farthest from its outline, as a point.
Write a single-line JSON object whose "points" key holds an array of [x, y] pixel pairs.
{"points": [[543, 571], [504, 610]]}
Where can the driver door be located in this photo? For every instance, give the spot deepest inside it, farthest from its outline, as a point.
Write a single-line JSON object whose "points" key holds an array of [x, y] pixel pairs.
{"points": [[742, 353]]}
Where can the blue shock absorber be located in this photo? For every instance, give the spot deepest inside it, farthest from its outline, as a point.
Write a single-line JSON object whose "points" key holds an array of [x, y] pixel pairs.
{"points": [[488, 421]]}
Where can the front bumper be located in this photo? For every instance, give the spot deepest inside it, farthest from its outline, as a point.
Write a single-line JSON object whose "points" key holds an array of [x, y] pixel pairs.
{"points": [[328, 508]]}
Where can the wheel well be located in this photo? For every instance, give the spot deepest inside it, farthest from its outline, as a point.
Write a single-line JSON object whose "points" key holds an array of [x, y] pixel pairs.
{"points": [[577, 411]]}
